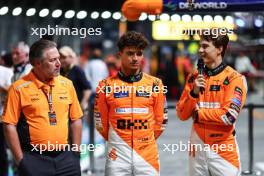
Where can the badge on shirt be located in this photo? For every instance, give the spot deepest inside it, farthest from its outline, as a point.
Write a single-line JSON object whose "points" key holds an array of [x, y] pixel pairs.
{"points": [[121, 94], [52, 118], [142, 94], [214, 87], [236, 101], [235, 107], [238, 90], [226, 81]]}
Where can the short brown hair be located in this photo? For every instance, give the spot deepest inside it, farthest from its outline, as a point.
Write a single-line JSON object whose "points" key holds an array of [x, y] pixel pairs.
{"points": [[132, 39], [37, 49], [220, 40]]}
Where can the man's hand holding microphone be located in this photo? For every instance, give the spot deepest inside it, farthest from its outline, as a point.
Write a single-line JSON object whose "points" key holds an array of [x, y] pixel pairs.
{"points": [[199, 83], [198, 87]]}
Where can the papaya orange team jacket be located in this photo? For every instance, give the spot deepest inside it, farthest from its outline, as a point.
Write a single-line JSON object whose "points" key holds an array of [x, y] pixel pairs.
{"points": [[218, 109], [27, 107], [131, 120]]}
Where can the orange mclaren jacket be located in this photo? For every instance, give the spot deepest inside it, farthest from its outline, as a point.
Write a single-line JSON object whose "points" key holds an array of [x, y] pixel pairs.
{"points": [[218, 107], [27, 107], [130, 113]]}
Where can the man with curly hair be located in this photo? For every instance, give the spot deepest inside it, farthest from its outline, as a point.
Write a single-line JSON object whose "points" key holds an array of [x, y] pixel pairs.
{"points": [[130, 112]]}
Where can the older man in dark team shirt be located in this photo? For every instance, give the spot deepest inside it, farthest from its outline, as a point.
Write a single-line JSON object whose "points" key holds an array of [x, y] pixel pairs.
{"points": [[75, 74]]}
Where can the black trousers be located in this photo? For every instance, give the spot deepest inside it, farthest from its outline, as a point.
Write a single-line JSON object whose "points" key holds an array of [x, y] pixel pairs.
{"points": [[35, 164], [3, 154]]}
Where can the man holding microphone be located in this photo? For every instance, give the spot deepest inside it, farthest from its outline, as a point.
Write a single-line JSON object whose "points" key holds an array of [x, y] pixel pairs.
{"points": [[213, 97]]}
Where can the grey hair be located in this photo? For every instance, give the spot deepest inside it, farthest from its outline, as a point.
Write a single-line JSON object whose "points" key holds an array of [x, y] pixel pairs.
{"points": [[37, 49], [22, 46]]}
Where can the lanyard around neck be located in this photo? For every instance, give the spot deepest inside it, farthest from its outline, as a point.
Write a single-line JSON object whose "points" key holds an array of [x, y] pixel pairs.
{"points": [[49, 98]]}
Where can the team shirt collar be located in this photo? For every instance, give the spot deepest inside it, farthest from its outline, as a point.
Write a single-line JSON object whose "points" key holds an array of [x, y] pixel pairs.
{"points": [[130, 78], [38, 83], [215, 71]]}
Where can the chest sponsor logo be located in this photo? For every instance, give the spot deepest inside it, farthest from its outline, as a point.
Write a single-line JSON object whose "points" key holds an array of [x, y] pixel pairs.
{"points": [[121, 94], [142, 94], [35, 99], [235, 107], [238, 90], [230, 117], [216, 135], [63, 98], [225, 120], [236, 101], [233, 112], [238, 96], [137, 124], [209, 105], [214, 87], [144, 139], [132, 110]]}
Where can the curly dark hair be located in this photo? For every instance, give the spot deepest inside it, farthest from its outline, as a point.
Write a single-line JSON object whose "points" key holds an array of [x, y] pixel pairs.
{"points": [[132, 39]]}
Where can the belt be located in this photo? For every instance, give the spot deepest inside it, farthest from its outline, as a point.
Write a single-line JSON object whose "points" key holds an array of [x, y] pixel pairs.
{"points": [[49, 153], [52, 154]]}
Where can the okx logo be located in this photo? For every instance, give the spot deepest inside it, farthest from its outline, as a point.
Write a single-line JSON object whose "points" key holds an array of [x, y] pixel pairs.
{"points": [[136, 124]]}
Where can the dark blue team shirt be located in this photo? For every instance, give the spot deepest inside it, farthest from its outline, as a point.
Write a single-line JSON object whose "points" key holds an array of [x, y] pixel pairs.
{"points": [[78, 78]]}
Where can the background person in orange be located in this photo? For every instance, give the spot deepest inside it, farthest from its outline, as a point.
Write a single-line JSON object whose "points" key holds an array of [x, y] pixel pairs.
{"points": [[214, 110], [131, 120], [39, 108]]}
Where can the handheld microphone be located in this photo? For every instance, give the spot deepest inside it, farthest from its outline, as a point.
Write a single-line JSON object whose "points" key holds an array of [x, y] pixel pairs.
{"points": [[200, 66]]}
